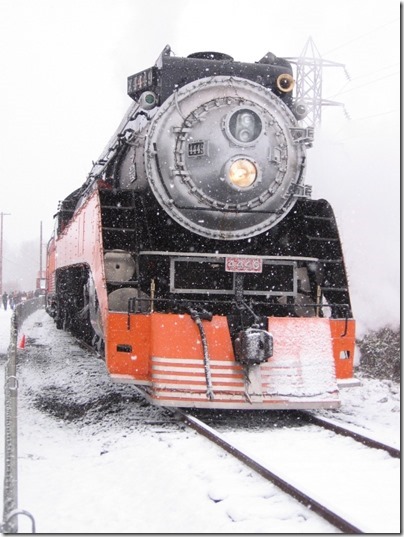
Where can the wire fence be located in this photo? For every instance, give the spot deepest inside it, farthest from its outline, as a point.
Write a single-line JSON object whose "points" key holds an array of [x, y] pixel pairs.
{"points": [[10, 492]]}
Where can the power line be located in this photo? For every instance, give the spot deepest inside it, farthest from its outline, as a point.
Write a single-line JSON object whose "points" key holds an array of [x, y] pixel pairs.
{"points": [[395, 64], [363, 35], [370, 73], [18, 263], [376, 115], [364, 85], [362, 119]]}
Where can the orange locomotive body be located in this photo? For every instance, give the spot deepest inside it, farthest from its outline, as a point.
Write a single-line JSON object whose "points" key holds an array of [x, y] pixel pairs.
{"points": [[194, 259]]}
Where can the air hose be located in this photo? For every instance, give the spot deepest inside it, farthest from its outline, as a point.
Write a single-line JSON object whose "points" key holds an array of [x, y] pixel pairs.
{"points": [[196, 316]]}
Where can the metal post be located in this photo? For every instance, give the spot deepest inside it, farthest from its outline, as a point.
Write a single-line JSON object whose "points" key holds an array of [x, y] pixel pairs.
{"points": [[40, 255], [1, 251]]}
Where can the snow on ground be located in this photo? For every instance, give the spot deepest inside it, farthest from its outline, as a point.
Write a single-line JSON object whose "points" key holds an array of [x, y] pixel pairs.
{"points": [[120, 469], [312, 461]]}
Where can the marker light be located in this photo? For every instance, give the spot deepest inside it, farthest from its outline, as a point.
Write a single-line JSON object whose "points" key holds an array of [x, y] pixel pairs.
{"points": [[245, 125], [148, 100], [242, 173], [285, 83]]}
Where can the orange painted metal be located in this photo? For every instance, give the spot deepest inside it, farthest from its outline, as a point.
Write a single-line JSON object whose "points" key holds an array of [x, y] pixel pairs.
{"points": [[132, 332], [343, 337], [167, 336], [50, 266], [177, 336], [166, 352], [81, 243]]}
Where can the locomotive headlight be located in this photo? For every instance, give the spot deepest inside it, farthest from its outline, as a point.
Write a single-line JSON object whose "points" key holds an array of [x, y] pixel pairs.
{"points": [[244, 126], [242, 173]]}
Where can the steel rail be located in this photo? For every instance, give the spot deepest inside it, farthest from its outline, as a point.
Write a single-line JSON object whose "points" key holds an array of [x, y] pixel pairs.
{"points": [[311, 503], [336, 520], [339, 429]]}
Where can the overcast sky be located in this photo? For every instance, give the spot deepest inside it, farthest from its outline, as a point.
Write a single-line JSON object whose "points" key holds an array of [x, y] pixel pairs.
{"points": [[63, 69]]}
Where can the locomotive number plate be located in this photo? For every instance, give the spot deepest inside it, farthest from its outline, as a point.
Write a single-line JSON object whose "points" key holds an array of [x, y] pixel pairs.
{"points": [[243, 264]]}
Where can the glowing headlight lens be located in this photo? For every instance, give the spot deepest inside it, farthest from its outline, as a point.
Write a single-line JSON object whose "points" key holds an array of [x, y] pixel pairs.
{"points": [[242, 173]]}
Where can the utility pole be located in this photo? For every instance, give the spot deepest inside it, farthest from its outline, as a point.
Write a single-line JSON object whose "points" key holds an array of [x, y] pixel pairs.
{"points": [[1, 250], [40, 252], [40, 281]]}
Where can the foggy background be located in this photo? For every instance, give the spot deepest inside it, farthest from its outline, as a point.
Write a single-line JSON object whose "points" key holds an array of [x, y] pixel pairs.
{"points": [[63, 69]]}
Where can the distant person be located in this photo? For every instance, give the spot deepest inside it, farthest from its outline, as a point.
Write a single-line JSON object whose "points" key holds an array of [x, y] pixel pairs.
{"points": [[5, 300]]}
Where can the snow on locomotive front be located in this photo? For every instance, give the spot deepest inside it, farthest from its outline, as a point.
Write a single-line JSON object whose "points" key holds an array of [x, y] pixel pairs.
{"points": [[200, 263]]}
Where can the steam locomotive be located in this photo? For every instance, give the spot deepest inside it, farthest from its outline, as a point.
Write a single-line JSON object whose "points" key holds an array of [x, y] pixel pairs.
{"points": [[193, 257]]}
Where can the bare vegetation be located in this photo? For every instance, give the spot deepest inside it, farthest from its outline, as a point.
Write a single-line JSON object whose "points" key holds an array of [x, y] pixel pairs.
{"points": [[380, 354]]}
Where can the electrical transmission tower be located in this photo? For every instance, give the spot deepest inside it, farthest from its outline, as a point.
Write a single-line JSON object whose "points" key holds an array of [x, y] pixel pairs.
{"points": [[309, 82]]}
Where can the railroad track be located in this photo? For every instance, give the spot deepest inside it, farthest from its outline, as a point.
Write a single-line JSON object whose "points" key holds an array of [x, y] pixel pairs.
{"points": [[305, 416], [326, 423], [306, 499], [298, 418], [332, 517], [291, 419]]}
